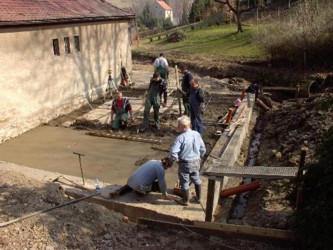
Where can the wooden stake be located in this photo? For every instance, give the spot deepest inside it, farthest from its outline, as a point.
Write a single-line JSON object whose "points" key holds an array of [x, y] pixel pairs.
{"points": [[178, 92], [210, 200]]}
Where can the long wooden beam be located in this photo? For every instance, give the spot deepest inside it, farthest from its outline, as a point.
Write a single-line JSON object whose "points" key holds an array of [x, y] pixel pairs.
{"points": [[123, 137], [224, 230], [247, 230]]}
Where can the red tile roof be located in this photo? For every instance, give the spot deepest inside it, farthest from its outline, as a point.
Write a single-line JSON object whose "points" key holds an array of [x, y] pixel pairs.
{"points": [[13, 12], [164, 5]]}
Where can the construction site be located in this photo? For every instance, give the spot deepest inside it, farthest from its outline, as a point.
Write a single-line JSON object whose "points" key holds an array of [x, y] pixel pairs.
{"points": [[66, 157]]}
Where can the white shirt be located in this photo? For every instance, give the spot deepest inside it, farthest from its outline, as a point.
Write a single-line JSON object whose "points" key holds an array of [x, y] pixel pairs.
{"points": [[161, 61]]}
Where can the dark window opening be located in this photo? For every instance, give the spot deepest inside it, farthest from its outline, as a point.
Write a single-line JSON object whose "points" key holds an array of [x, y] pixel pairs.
{"points": [[56, 49], [67, 45], [77, 43]]}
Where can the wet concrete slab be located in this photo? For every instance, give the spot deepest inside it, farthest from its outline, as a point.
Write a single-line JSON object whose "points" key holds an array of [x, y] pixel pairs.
{"points": [[51, 148]]}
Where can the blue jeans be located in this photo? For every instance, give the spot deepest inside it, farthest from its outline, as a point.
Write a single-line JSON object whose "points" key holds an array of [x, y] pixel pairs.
{"points": [[189, 171], [197, 122]]}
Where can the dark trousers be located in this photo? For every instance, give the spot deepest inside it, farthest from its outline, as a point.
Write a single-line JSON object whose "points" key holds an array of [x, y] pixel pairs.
{"points": [[124, 189]]}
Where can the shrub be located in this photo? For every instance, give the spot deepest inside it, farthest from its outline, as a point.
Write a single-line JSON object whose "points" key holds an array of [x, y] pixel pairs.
{"points": [[304, 36], [314, 218], [177, 36]]}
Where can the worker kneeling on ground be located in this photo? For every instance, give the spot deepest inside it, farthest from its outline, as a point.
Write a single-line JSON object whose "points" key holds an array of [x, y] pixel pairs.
{"points": [[149, 177], [121, 107]]}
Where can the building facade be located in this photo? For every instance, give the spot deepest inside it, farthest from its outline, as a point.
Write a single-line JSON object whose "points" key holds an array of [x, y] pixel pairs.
{"points": [[56, 61]]}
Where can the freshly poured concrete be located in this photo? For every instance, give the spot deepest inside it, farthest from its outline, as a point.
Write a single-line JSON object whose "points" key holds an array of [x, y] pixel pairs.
{"points": [[51, 148]]}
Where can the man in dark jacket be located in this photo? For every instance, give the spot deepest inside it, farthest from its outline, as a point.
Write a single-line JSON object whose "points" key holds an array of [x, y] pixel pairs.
{"points": [[185, 87], [157, 87], [197, 103]]}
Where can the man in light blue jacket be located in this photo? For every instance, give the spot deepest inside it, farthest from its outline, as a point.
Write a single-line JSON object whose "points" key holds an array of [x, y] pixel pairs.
{"points": [[188, 149]]}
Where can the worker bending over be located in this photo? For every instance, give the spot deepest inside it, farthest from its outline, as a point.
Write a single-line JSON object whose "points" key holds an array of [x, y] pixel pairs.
{"points": [[149, 177]]}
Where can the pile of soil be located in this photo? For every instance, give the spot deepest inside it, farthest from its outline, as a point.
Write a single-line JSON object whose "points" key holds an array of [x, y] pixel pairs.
{"points": [[289, 127]]}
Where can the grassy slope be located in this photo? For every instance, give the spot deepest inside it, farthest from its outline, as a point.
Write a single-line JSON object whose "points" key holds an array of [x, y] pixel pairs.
{"points": [[217, 41]]}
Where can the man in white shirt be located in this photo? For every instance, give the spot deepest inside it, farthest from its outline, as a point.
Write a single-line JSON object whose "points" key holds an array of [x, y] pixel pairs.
{"points": [[161, 65]]}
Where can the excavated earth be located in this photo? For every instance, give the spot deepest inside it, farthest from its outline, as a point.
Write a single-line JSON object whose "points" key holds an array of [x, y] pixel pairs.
{"points": [[288, 126]]}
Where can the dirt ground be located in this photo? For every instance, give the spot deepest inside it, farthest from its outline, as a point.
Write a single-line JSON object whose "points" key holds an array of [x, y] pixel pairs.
{"points": [[89, 226]]}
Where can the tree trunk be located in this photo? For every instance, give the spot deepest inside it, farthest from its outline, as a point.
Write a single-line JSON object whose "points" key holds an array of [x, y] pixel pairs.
{"points": [[239, 23]]}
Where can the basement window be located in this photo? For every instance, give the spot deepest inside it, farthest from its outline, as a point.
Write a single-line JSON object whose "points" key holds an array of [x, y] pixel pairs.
{"points": [[56, 50], [77, 43], [67, 45]]}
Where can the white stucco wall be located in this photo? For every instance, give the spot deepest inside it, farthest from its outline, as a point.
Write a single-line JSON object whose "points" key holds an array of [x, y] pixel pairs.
{"points": [[37, 86], [159, 12], [139, 5]]}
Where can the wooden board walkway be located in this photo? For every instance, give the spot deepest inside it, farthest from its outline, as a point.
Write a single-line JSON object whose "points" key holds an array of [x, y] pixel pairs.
{"points": [[253, 172]]}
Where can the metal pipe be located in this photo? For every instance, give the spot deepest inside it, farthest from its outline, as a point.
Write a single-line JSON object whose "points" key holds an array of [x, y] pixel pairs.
{"points": [[240, 189], [46, 210], [230, 112]]}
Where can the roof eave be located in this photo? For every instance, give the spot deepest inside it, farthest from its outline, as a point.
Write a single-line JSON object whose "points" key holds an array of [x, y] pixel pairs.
{"points": [[65, 21]]}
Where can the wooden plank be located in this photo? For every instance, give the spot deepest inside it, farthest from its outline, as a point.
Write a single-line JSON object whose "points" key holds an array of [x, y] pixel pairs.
{"points": [[123, 137], [280, 88], [299, 194], [253, 172], [178, 93], [247, 230], [210, 200], [224, 230]]}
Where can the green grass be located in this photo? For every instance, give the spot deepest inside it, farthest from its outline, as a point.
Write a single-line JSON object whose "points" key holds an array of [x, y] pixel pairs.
{"points": [[217, 41]]}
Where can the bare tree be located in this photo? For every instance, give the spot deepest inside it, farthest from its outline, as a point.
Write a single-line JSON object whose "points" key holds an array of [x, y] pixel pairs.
{"points": [[238, 7]]}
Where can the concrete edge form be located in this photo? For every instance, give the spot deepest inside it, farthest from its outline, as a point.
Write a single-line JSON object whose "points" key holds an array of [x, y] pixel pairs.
{"points": [[225, 153]]}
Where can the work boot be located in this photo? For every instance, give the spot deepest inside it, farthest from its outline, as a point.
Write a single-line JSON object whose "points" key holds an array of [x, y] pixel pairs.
{"points": [[124, 124], [142, 129], [198, 192], [113, 194], [185, 200]]}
